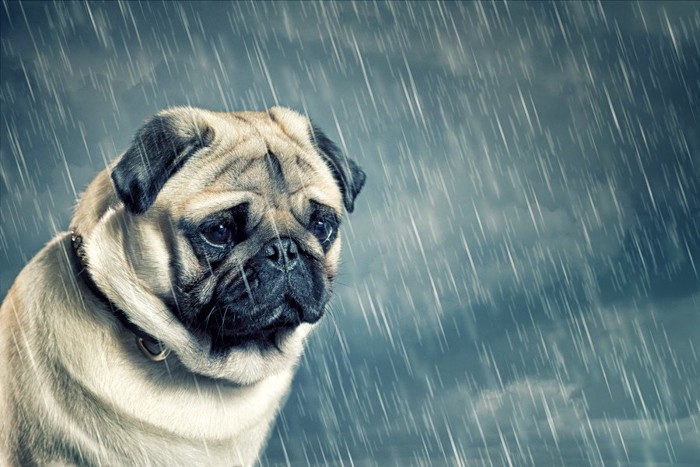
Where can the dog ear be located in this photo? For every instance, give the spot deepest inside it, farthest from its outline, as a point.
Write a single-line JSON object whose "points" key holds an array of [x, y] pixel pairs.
{"points": [[349, 176], [160, 148]]}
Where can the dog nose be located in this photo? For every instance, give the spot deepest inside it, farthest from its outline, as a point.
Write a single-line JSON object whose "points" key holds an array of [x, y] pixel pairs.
{"points": [[282, 253]]}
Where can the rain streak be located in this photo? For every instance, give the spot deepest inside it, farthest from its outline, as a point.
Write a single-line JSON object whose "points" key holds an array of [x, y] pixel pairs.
{"points": [[520, 281]]}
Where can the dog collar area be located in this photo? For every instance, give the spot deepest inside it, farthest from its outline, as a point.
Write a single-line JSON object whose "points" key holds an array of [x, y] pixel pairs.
{"points": [[153, 350], [151, 347]]}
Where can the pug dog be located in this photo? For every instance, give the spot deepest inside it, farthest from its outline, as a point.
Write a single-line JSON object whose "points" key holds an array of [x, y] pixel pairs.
{"points": [[165, 328]]}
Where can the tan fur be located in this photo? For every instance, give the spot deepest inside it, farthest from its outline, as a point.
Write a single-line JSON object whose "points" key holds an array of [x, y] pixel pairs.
{"points": [[74, 389]]}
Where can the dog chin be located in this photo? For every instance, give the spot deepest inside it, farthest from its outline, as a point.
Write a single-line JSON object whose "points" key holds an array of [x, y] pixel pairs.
{"points": [[250, 361], [230, 328]]}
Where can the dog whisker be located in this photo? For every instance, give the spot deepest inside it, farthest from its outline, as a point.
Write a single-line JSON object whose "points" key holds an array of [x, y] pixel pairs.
{"points": [[192, 240]]}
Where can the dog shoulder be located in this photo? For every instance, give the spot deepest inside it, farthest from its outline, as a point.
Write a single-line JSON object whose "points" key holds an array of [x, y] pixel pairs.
{"points": [[25, 372]]}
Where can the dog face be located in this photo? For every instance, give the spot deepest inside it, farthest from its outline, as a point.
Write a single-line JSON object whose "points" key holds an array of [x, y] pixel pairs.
{"points": [[227, 238]]}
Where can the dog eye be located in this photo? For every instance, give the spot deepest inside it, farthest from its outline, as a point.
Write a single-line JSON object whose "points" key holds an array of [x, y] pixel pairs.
{"points": [[323, 230], [216, 235]]}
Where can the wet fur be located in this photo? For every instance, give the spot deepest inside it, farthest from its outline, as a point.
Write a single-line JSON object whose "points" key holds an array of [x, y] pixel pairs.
{"points": [[74, 389]]}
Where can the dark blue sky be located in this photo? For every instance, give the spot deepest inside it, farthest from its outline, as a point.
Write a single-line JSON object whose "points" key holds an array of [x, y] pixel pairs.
{"points": [[520, 282]]}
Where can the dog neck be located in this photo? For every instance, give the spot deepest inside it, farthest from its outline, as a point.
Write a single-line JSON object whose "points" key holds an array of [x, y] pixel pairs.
{"points": [[151, 347]]}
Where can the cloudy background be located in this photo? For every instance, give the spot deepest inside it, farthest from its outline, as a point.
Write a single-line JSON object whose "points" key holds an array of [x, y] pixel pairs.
{"points": [[521, 280]]}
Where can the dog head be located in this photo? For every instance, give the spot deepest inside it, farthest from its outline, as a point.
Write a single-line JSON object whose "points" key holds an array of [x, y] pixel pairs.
{"points": [[224, 237]]}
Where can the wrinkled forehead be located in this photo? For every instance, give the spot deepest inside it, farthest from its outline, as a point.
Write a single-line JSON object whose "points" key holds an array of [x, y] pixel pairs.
{"points": [[260, 158]]}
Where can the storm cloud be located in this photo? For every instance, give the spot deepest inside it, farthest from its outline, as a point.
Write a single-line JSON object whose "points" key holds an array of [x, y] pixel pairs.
{"points": [[520, 280]]}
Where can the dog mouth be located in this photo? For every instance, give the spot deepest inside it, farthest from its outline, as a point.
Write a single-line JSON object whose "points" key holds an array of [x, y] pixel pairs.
{"points": [[264, 327], [286, 315], [256, 304]]}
